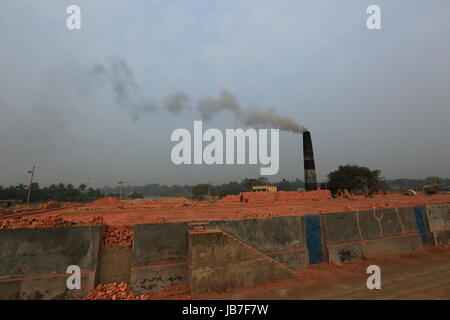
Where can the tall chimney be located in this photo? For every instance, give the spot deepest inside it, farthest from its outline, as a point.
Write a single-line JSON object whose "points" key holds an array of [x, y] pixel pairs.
{"points": [[310, 167]]}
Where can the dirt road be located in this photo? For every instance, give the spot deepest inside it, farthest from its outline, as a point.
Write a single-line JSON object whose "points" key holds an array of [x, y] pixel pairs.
{"points": [[420, 275]]}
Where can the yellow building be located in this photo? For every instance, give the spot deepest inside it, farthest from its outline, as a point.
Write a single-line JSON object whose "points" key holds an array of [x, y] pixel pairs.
{"points": [[264, 189]]}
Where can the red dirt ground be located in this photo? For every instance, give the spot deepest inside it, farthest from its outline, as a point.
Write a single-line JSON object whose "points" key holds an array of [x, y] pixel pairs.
{"points": [[129, 212], [422, 274]]}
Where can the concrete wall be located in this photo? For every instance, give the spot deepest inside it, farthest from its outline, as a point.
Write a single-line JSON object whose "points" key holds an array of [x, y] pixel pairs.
{"points": [[438, 221], [160, 251], [33, 262], [159, 256], [114, 264], [350, 235], [282, 238], [218, 261]]}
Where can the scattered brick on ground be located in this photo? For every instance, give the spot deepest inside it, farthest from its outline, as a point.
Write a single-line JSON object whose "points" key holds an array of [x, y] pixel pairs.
{"points": [[118, 235], [115, 291]]}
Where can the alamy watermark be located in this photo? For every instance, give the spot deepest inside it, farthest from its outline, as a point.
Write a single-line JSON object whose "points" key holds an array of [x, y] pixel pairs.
{"points": [[248, 146], [374, 20], [374, 281], [74, 280], [73, 22]]}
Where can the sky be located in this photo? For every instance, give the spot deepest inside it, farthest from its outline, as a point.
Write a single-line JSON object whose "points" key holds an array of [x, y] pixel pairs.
{"points": [[98, 105]]}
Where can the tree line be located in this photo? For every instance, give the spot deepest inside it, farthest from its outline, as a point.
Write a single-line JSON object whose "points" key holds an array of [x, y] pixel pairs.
{"points": [[352, 177], [59, 192], [68, 192]]}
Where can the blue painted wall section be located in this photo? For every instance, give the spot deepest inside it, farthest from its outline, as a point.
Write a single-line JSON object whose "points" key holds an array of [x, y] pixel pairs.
{"points": [[313, 238], [420, 222]]}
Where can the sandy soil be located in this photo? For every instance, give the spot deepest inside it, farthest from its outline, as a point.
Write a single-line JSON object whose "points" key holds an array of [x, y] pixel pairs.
{"points": [[131, 212]]}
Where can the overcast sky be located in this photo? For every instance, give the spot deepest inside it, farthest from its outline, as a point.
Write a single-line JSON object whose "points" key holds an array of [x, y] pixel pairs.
{"points": [[89, 105]]}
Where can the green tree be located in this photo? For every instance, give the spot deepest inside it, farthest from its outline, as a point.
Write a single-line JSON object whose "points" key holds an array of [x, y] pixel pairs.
{"points": [[353, 177], [199, 191], [82, 187], [135, 195]]}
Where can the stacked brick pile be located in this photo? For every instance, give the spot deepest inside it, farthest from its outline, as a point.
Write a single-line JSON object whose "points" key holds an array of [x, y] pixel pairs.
{"points": [[50, 205], [23, 208], [44, 222], [172, 200], [98, 220], [309, 195], [118, 235], [253, 215], [260, 196], [115, 291], [279, 196], [230, 198]]}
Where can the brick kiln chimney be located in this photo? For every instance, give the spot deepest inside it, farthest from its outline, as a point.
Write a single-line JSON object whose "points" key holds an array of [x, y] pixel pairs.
{"points": [[308, 157]]}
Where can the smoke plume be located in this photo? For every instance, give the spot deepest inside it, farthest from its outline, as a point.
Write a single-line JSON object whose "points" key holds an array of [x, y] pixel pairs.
{"points": [[128, 95], [176, 102], [209, 107], [126, 92]]}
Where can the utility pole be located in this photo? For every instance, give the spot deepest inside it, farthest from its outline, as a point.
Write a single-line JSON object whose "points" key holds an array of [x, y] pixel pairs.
{"points": [[29, 186], [120, 190], [209, 189]]}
